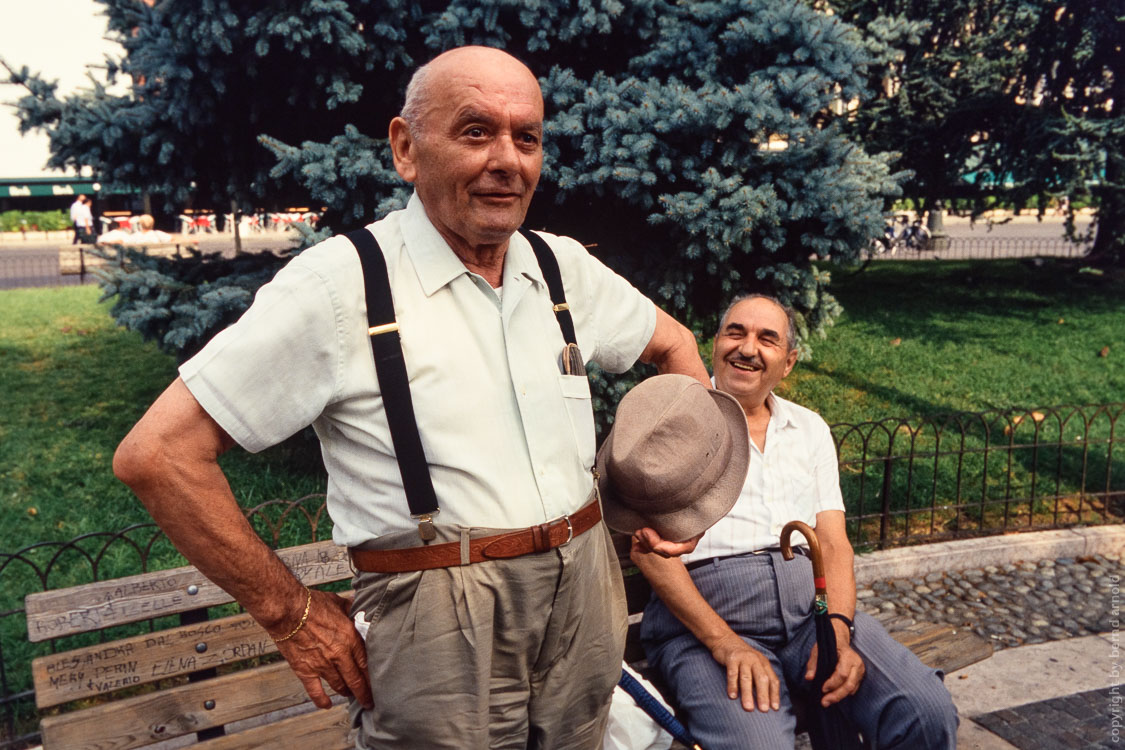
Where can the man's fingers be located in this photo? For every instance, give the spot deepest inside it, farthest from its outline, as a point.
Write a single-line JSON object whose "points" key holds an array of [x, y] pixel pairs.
{"points": [[732, 680], [810, 667], [316, 691], [775, 691], [764, 689], [843, 682], [650, 541], [357, 679], [746, 686]]}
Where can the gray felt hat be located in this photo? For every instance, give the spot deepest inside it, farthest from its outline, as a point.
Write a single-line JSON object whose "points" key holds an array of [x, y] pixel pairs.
{"points": [[675, 460]]}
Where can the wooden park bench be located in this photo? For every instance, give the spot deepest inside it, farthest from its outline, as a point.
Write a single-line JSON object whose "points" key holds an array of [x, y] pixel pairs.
{"points": [[220, 679], [189, 675], [77, 259]]}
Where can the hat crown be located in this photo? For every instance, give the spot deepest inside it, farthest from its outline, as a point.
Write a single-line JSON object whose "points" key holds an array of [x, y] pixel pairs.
{"points": [[670, 444]]}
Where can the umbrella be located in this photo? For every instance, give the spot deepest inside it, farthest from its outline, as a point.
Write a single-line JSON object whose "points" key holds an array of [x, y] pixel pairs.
{"points": [[827, 724], [651, 706]]}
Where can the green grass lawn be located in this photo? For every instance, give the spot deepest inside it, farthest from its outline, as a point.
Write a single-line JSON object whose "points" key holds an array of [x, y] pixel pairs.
{"points": [[73, 384], [918, 338]]}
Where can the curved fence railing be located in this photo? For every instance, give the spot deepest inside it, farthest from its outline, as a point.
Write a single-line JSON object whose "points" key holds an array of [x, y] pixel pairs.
{"points": [[904, 481], [987, 248], [924, 479]]}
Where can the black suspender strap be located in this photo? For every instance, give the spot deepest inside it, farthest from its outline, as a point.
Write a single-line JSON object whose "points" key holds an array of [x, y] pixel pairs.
{"points": [[391, 371], [550, 268], [390, 368], [571, 361]]}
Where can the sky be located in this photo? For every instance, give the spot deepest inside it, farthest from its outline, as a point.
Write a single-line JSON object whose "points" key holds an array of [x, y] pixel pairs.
{"points": [[58, 38]]}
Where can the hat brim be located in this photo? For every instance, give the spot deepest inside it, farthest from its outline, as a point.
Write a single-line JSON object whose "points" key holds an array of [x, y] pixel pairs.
{"points": [[691, 521]]}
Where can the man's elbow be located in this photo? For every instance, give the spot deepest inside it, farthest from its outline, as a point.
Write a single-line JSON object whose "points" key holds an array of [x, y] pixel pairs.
{"points": [[137, 460], [672, 341]]}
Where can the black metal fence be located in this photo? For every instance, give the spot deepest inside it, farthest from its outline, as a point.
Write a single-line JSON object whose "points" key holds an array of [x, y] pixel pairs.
{"points": [[988, 248], [904, 481], [972, 473]]}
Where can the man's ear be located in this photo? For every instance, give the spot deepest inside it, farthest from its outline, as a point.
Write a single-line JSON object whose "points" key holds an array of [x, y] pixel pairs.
{"points": [[790, 361], [403, 149]]}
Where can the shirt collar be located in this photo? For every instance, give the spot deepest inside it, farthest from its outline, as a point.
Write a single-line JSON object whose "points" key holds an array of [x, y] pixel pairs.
{"points": [[520, 261], [436, 263], [780, 414]]}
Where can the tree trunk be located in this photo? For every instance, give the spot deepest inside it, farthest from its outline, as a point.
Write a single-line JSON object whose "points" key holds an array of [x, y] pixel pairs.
{"points": [[235, 220], [1109, 242]]}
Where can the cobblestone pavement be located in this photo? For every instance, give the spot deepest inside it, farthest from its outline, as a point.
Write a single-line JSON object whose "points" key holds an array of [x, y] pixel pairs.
{"points": [[1012, 604], [1075, 722]]}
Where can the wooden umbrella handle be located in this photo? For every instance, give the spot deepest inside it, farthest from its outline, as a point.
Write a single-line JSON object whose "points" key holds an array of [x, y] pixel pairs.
{"points": [[814, 550]]}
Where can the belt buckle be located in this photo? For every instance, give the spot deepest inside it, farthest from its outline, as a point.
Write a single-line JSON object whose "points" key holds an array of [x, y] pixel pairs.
{"points": [[569, 530]]}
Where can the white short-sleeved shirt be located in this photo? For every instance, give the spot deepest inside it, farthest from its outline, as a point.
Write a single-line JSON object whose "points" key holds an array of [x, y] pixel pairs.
{"points": [[796, 477], [509, 439]]}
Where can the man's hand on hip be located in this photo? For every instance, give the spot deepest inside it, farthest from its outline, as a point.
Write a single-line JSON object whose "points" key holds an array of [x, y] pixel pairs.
{"points": [[749, 674], [328, 647]]}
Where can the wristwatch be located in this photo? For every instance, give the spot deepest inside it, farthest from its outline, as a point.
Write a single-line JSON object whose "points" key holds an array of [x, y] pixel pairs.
{"points": [[846, 620]]}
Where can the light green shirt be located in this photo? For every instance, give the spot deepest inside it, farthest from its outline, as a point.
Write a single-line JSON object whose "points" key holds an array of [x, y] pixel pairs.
{"points": [[509, 439]]}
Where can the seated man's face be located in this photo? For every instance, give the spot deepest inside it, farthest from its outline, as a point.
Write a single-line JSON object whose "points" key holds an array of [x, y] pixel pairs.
{"points": [[751, 354]]}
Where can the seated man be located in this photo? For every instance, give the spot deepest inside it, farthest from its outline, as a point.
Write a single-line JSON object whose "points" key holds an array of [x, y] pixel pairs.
{"points": [[731, 629]]}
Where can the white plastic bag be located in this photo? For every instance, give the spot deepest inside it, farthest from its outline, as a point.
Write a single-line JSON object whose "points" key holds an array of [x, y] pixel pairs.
{"points": [[629, 727]]}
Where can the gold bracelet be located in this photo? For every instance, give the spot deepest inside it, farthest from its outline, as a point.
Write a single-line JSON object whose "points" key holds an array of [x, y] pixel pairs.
{"points": [[304, 618]]}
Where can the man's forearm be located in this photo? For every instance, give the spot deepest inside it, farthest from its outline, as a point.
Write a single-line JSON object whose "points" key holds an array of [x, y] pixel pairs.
{"points": [[170, 461], [839, 566], [673, 349], [671, 581]]}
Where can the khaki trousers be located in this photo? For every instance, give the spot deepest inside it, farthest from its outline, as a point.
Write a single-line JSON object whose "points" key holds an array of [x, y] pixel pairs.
{"points": [[519, 653]]}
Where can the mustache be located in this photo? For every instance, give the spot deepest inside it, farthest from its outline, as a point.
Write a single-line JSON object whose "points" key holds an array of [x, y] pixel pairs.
{"points": [[753, 360]]}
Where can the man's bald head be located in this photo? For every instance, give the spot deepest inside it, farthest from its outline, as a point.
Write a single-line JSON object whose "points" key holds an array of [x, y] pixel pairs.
{"points": [[423, 92]]}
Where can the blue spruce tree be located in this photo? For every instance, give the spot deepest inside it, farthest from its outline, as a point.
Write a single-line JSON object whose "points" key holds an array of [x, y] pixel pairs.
{"points": [[698, 148]]}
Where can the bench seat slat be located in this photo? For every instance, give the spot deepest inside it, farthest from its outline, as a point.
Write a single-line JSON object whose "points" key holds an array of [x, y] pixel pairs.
{"points": [[953, 650], [102, 604], [145, 719], [319, 730]]}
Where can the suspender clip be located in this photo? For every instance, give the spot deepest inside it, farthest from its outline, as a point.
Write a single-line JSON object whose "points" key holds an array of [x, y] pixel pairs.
{"points": [[385, 328], [426, 527]]}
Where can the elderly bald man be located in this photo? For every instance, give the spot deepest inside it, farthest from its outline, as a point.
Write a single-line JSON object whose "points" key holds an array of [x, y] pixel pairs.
{"points": [[495, 620]]}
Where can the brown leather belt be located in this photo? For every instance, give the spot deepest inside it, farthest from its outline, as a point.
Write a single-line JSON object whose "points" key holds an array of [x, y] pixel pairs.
{"points": [[545, 536]]}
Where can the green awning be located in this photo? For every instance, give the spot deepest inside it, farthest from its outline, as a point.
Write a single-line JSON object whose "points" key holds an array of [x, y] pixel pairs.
{"points": [[37, 189]]}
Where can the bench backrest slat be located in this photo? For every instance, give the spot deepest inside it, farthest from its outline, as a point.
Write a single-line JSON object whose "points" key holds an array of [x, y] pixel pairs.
{"points": [[102, 604], [108, 667], [145, 719]]}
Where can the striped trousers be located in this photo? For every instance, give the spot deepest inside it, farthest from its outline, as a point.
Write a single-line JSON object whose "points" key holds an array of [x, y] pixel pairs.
{"points": [[900, 703]]}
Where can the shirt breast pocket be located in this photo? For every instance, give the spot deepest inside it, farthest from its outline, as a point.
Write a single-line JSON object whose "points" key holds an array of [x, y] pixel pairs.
{"points": [[580, 408]]}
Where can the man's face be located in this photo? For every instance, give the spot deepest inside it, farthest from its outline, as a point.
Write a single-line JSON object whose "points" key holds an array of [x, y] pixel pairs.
{"points": [[751, 354], [476, 160]]}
